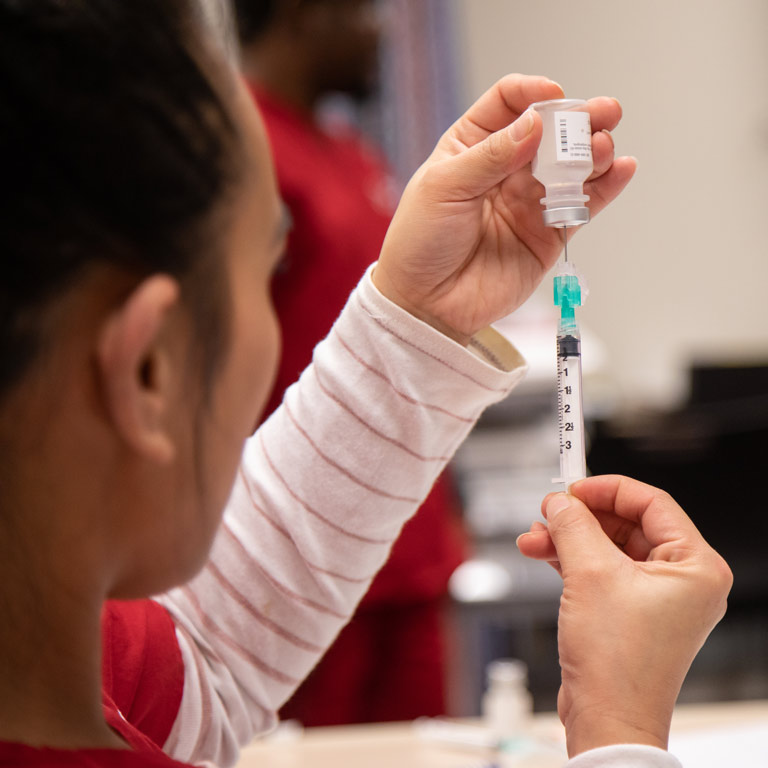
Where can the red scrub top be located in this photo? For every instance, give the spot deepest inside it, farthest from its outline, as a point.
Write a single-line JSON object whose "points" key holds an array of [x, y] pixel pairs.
{"points": [[142, 683]]}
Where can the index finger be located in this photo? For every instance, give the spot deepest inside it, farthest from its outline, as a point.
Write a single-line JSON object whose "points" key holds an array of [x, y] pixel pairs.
{"points": [[626, 534], [618, 494], [501, 105], [659, 515]]}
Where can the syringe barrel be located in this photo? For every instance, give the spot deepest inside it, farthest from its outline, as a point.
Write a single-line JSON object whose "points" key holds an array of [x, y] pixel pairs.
{"points": [[573, 458]]}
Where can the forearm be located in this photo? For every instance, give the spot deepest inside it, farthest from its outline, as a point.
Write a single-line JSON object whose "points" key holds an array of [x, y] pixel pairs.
{"points": [[324, 489]]}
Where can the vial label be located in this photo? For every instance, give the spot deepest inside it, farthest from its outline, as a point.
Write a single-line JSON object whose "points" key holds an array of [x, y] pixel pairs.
{"points": [[573, 137]]}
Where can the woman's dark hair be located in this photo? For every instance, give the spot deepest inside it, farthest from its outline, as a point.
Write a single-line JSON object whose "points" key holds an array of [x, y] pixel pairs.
{"points": [[115, 149], [254, 17]]}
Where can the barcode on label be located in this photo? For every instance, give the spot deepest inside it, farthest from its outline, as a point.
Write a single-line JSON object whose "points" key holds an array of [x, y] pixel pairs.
{"points": [[563, 135], [572, 137]]}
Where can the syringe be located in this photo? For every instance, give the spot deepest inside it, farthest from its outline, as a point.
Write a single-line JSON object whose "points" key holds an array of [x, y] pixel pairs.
{"points": [[570, 414]]}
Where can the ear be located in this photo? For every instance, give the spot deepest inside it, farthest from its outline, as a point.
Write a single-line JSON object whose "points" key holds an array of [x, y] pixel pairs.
{"points": [[135, 369]]}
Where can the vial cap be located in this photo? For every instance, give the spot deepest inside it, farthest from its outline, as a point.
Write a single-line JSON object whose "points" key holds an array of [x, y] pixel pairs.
{"points": [[507, 672], [566, 217]]}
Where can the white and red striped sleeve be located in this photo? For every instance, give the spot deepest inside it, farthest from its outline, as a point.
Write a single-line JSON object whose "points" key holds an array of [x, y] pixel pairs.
{"points": [[324, 488], [625, 756]]}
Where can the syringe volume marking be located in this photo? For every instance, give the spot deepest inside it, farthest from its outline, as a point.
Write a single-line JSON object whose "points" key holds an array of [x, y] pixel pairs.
{"points": [[560, 417]]}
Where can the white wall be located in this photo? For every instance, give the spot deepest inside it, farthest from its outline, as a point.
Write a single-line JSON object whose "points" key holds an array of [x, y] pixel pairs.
{"points": [[678, 267]]}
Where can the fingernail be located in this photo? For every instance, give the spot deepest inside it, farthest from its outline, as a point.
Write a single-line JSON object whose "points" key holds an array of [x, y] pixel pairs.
{"points": [[609, 136], [522, 535], [522, 126], [557, 504]]}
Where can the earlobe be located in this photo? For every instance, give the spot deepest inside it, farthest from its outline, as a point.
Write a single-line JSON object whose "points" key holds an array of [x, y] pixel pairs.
{"points": [[135, 369]]}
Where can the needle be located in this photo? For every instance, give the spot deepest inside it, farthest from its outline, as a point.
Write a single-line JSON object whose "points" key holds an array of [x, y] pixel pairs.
{"points": [[565, 241]]}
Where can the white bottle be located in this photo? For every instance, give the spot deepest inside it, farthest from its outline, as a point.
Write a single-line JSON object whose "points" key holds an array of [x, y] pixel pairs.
{"points": [[564, 161], [507, 704]]}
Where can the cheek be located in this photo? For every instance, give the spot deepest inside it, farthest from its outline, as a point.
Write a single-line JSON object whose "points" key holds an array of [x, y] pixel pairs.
{"points": [[242, 389], [265, 354], [251, 373]]}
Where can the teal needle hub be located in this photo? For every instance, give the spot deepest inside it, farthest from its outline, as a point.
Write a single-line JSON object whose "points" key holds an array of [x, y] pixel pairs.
{"points": [[567, 297]]}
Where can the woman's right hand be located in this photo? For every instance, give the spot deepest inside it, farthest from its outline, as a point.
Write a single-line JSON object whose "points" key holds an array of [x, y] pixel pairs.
{"points": [[641, 592]]}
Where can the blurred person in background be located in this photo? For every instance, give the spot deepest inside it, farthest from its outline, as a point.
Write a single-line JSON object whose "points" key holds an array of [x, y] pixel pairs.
{"points": [[389, 662]]}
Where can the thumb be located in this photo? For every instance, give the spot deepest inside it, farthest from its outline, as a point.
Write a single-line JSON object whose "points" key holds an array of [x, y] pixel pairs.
{"points": [[575, 532], [475, 170]]}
